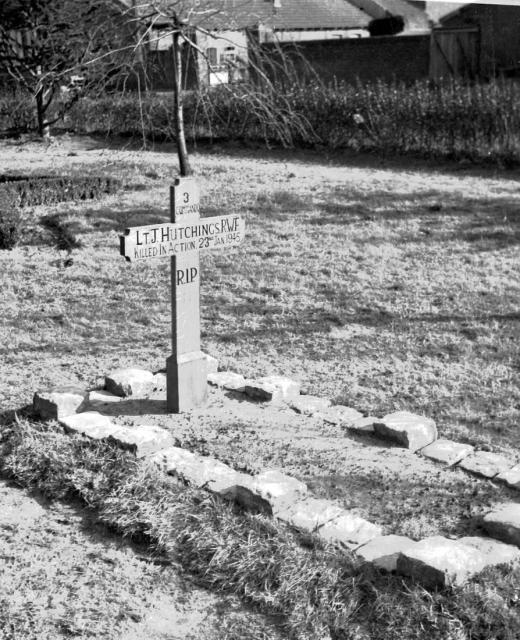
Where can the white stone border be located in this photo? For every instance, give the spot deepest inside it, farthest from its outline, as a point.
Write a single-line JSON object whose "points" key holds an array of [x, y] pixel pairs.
{"points": [[434, 561]]}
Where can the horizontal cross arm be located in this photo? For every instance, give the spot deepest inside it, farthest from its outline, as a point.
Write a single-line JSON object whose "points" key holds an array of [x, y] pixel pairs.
{"points": [[169, 239]]}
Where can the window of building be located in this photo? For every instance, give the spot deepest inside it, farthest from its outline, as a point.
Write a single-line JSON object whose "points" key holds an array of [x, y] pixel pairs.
{"points": [[229, 55], [211, 54]]}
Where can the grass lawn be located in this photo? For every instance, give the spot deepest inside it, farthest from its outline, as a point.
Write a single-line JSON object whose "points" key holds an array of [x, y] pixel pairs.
{"points": [[383, 286]]}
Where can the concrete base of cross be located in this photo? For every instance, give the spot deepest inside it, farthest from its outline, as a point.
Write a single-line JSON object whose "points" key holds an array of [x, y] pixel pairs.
{"points": [[186, 381]]}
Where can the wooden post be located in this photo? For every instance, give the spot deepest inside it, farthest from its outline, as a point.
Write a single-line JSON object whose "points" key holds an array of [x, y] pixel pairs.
{"points": [[186, 368], [181, 240]]}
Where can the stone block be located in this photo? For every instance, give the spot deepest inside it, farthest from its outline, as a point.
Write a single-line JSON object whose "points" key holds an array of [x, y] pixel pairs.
{"points": [[228, 483], [308, 514], [59, 402], [211, 363], [485, 463], [383, 551], [440, 562], [142, 440], [503, 523], [176, 461], [245, 494], [364, 425], [211, 474], [341, 415], [511, 477], [349, 530], [130, 382], [273, 486], [446, 451], [407, 429], [309, 405], [496, 552], [272, 389], [159, 381], [89, 423], [227, 380]]}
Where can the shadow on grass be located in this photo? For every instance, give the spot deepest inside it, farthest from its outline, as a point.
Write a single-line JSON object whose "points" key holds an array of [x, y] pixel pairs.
{"points": [[108, 219], [9, 416], [476, 221], [137, 407], [325, 322], [385, 318], [339, 158], [63, 229]]}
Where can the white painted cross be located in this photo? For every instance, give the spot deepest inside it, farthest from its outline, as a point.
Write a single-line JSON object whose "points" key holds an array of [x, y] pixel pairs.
{"points": [[182, 239]]}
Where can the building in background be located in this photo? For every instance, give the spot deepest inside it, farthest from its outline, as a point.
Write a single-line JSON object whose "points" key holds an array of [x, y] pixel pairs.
{"points": [[228, 34], [497, 29]]}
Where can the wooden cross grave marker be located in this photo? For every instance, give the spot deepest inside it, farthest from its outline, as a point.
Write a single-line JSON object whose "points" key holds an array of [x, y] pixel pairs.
{"points": [[182, 240]]}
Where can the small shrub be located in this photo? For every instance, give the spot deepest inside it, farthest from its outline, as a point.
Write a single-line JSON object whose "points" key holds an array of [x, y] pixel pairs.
{"points": [[63, 235], [17, 111], [11, 222]]}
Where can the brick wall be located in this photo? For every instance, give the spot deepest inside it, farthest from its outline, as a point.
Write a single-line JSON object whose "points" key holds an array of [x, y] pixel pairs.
{"points": [[382, 58]]}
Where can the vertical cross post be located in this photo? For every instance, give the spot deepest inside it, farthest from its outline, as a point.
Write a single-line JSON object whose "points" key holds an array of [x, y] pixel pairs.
{"points": [[186, 368]]}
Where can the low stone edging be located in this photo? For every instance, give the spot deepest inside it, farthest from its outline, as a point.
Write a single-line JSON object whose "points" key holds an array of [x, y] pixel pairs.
{"points": [[434, 561]]}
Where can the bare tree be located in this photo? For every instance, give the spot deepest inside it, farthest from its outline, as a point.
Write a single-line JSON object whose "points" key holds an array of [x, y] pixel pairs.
{"points": [[43, 43], [46, 45], [192, 24]]}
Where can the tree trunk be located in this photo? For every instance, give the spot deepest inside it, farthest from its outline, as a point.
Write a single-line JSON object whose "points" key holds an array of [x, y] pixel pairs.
{"points": [[182, 151], [43, 129]]}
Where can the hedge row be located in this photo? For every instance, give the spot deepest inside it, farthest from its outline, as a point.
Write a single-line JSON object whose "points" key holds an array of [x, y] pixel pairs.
{"points": [[17, 192], [450, 120], [51, 190]]}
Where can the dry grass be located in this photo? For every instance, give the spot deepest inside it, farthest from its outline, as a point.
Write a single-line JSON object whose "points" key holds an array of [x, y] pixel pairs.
{"points": [[382, 288], [65, 573], [312, 591]]}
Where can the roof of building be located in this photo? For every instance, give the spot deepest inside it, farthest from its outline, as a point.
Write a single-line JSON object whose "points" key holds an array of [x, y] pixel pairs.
{"points": [[289, 15], [437, 11], [414, 17], [285, 15], [319, 14]]}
